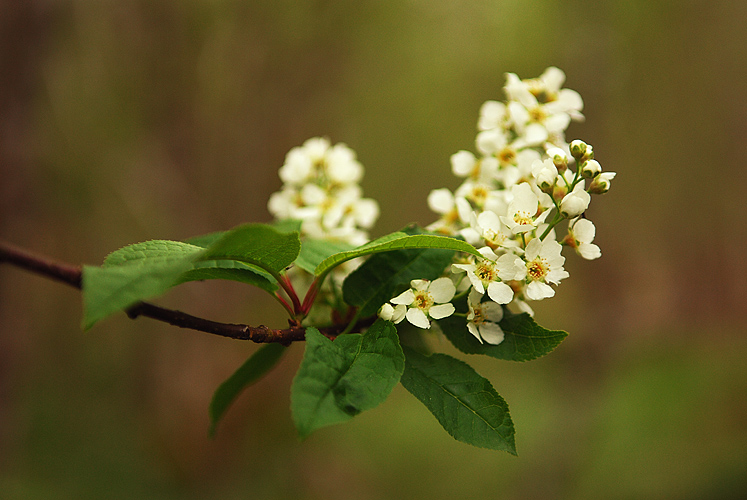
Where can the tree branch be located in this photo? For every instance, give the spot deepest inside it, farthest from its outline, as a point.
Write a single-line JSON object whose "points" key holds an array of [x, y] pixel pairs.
{"points": [[72, 275]]}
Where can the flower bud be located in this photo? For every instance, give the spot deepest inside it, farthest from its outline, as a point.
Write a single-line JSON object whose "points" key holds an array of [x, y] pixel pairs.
{"points": [[578, 149], [575, 202], [559, 191], [601, 184], [591, 169], [559, 158], [545, 173]]}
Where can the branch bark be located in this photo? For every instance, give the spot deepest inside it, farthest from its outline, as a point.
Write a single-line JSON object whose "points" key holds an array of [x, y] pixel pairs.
{"points": [[72, 275]]}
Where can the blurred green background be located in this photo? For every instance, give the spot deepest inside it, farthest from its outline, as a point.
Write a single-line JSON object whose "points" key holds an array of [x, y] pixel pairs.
{"points": [[122, 121]]}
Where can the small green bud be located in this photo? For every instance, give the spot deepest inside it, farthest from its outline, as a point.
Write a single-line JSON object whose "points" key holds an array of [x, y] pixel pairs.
{"points": [[590, 169], [578, 149]]}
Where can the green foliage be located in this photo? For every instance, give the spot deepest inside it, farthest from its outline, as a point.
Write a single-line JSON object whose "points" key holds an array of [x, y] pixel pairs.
{"points": [[395, 241], [313, 252], [252, 370], [355, 372], [249, 253], [524, 338], [377, 279], [338, 380], [257, 244], [465, 404]]}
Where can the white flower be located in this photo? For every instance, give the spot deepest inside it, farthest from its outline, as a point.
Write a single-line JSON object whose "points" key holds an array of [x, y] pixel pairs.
{"points": [[488, 274], [454, 211], [581, 233], [489, 227], [522, 211], [427, 299], [483, 318], [463, 163], [576, 202], [544, 265]]}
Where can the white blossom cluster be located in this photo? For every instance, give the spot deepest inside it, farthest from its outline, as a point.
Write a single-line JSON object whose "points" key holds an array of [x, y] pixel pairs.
{"points": [[320, 189], [524, 180]]}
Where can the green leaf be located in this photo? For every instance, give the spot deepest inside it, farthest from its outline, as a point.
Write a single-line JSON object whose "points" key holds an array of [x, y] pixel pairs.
{"points": [[229, 270], [313, 252], [465, 404], [205, 240], [262, 361], [258, 244], [377, 279], [287, 225], [151, 251], [107, 290], [396, 241], [338, 380], [524, 338]]}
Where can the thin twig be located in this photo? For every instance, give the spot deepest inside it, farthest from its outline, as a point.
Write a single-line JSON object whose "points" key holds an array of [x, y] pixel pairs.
{"points": [[72, 275]]}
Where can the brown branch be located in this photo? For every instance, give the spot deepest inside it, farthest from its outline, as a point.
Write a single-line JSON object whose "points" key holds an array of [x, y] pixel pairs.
{"points": [[72, 275]]}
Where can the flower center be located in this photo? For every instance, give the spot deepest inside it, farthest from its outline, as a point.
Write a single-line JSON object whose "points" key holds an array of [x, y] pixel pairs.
{"points": [[506, 156], [538, 269], [478, 315], [423, 300], [486, 272], [479, 194], [523, 218], [537, 115]]}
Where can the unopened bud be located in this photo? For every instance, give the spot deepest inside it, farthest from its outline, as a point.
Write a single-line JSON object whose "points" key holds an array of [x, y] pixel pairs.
{"points": [[601, 184], [578, 149], [559, 158], [591, 169], [576, 202]]}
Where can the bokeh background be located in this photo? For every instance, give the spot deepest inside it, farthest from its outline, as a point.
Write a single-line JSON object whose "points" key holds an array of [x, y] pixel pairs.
{"points": [[122, 121]]}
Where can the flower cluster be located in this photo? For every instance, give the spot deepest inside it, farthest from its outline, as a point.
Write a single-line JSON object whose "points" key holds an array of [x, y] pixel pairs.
{"points": [[523, 182], [320, 189]]}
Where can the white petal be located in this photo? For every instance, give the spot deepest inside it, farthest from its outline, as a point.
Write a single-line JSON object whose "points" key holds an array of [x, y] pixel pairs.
{"points": [[418, 318], [399, 313], [420, 285], [442, 290], [407, 297], [584, 231], [441, 201], [441, 311], [491, 333], [500, 292], [474, 331], [462, 163], [492, 311], [589, 251], [538, 291], [553, 78]]}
